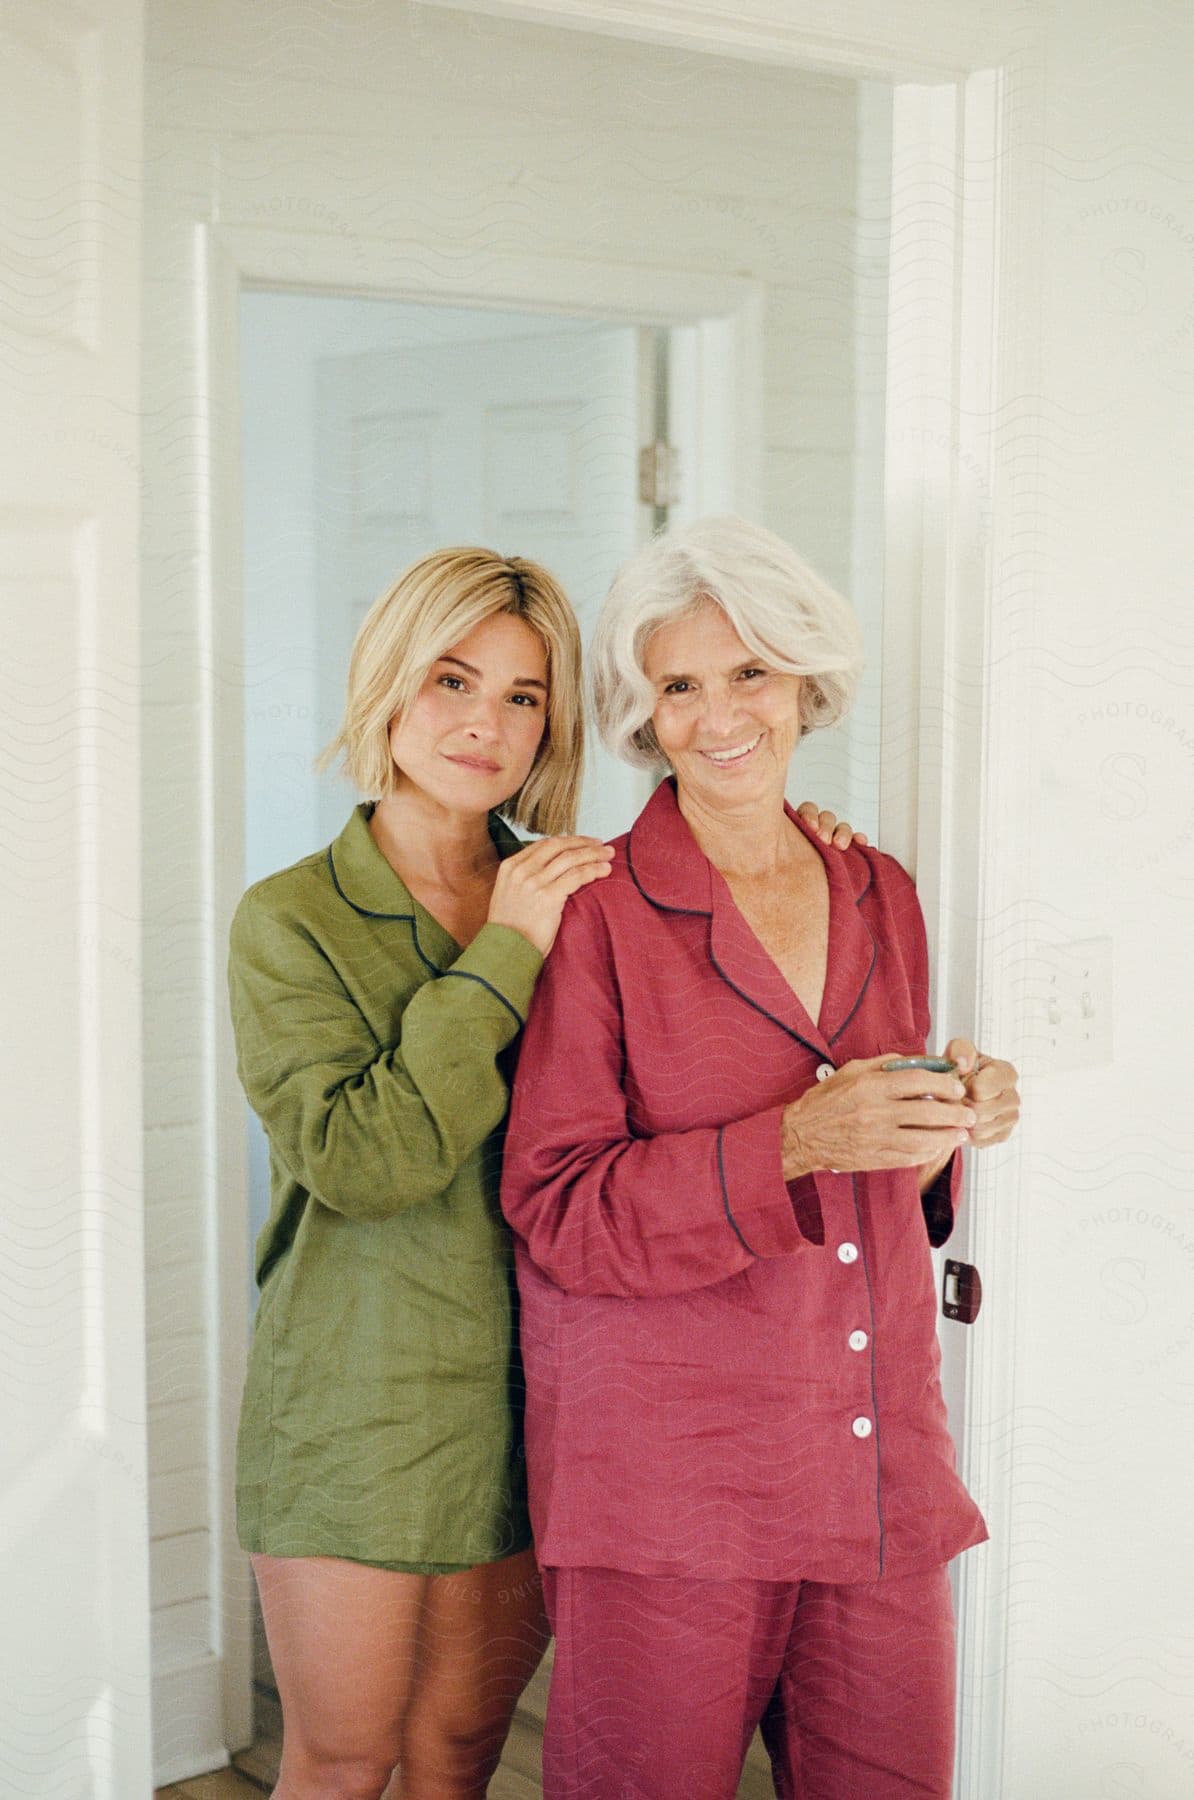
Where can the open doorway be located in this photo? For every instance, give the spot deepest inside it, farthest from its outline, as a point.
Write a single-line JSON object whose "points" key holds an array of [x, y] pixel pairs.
{"points": [[373, 432], [768, 317]]}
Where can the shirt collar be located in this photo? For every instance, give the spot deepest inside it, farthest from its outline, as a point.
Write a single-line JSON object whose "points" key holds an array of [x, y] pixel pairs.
{"points": [[673, 872], [364, 878]]}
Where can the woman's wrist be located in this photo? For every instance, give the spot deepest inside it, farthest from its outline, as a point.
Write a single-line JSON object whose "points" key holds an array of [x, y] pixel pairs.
{"points": [[794, 1157]]}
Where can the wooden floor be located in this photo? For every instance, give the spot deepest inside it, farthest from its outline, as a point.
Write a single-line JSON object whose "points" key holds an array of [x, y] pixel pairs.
{"points": [[518, 1777], [225, 1784]]}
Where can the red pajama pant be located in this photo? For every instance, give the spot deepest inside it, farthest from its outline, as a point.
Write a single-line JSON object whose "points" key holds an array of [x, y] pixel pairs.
{"points": [[659, 1684]]}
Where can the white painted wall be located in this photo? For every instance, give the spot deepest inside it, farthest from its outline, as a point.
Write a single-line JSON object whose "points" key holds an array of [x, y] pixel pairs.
{"points": [[1098, 467], [478, 138]]}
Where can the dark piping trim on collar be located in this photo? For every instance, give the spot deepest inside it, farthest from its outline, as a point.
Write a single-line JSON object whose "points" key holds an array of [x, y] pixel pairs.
{"points": [[862, 990], [751, 1001], [689, 912], [700, 912], [367, 914], [858, 899]]}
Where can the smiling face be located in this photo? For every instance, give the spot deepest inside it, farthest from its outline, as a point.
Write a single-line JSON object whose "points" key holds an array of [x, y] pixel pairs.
{"points": [[470, 736], [726, 719]]}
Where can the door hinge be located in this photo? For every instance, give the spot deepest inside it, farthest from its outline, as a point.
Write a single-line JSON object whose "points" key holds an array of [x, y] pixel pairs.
{"points": [[659, 474]]}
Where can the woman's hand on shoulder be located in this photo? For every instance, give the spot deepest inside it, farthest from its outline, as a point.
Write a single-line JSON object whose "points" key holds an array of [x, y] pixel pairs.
{"points": [[533, 884], [828, 827]]}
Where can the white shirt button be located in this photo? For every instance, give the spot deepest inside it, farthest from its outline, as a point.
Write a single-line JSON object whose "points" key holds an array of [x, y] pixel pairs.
{"points": [[824, 1071], [847, 1253], [858, 1340], [861, 1428]]}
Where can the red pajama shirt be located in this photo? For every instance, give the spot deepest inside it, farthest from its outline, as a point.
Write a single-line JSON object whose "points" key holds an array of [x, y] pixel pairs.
{"points": [[729, 1377]]}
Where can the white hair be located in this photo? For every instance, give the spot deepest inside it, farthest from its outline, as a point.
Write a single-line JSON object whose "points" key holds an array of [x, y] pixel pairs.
{"points": [[780, 608]]}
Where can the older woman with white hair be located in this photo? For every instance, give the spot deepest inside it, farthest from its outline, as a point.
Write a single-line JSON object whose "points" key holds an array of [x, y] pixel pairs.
{"points": [[742, 1483]]}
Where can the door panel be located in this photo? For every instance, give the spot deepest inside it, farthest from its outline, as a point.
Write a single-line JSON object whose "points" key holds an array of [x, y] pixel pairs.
{"points": [[74, 1671], [526, 445]]}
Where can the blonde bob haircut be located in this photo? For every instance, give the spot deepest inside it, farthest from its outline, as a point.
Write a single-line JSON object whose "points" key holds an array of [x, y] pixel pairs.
{"points": [[781, 609], [431, 606]]}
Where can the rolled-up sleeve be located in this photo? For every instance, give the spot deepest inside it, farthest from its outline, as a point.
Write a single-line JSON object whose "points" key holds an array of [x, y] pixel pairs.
{"points": [[940, 1202], [601, 1209]]}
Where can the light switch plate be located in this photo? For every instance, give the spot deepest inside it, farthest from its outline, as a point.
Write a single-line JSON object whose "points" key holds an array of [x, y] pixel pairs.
{"points": [[1077, 1003]]}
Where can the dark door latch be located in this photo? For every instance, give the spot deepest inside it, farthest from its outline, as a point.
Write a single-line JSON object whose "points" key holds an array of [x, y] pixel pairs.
{"points": [[961, 1292]]}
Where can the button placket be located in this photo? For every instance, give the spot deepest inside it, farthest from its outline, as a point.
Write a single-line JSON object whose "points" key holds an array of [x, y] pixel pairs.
{"points": [[824, 1071], [857, 1340]]}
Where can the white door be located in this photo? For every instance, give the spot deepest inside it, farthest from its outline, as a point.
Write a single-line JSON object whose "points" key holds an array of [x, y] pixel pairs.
{"points": [[528, 445], [74, 1669]]}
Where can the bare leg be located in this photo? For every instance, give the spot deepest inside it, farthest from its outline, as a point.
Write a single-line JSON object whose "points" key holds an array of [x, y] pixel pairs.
{"points": [[481, 1638], [343, 1640]]}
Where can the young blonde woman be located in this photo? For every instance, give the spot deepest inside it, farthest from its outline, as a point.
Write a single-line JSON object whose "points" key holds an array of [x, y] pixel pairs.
{"points": [[377, 989]]}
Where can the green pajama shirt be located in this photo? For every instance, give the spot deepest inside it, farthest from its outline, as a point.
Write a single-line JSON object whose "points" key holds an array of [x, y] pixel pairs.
{"points": [[382, 1410]]}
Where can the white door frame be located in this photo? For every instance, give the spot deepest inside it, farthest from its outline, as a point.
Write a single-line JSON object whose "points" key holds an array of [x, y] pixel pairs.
{"points": [[938, 809], [717, 322], [946, 741]]}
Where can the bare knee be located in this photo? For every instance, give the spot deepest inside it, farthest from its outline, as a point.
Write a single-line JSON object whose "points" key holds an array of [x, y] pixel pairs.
{"points": [[442, 1757], [311, 1773]]}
